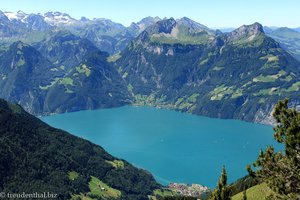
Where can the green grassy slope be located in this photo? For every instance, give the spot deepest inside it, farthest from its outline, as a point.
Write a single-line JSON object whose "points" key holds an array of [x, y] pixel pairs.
{"points": [[258, 192]]}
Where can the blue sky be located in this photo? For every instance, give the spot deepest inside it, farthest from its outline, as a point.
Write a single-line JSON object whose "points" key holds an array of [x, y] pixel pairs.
{"points": [[212, 13]]}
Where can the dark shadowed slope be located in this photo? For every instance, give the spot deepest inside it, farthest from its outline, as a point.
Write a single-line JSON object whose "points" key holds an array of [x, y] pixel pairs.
{"points": [[35, 157]]}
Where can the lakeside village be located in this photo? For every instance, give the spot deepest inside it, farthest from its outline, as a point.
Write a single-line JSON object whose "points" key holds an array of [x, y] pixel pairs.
{"points": [[193, 190]]}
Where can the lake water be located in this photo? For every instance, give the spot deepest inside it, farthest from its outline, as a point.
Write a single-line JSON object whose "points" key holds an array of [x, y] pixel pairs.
{"points": [[173, 146]]}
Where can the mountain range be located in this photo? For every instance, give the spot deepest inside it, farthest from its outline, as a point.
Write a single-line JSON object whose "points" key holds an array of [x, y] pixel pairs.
{"points": [[239, 74], [53, 63], [107, 35]]}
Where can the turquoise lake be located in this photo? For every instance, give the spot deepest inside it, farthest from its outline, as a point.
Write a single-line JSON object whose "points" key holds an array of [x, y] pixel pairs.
{"points": [[173, 146]]}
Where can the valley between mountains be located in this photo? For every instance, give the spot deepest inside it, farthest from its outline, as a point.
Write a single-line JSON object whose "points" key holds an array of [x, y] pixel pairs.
{"points": [[52, 63]]}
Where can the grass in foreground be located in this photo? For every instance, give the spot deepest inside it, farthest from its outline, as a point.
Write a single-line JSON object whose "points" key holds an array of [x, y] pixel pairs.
{"points": [[258, 192]]}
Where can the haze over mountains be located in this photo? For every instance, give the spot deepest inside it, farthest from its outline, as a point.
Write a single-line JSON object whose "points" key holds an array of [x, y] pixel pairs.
{"points": [[104, 33], [288, 38], [178, 64], [107, 35]]}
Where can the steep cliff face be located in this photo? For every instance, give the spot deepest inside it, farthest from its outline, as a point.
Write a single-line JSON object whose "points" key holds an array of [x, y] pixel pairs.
{"points": [[80, 78], [245, 32], [22, 70], [92, 84]]}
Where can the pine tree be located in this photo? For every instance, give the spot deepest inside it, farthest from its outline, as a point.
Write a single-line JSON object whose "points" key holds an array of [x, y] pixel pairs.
{"points": [[281, 171], [244, 195], [222, 191]]}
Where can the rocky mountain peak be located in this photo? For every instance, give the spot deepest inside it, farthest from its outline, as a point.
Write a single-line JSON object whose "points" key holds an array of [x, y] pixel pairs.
{"points": [[149, 20], [58, 18], [246, 31], [3, 17], [84, 19], [253, 29], [20, 12], [19, 16], [140, 26], [166, 25], [53, 14], [185, 21], [37, 22]]}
